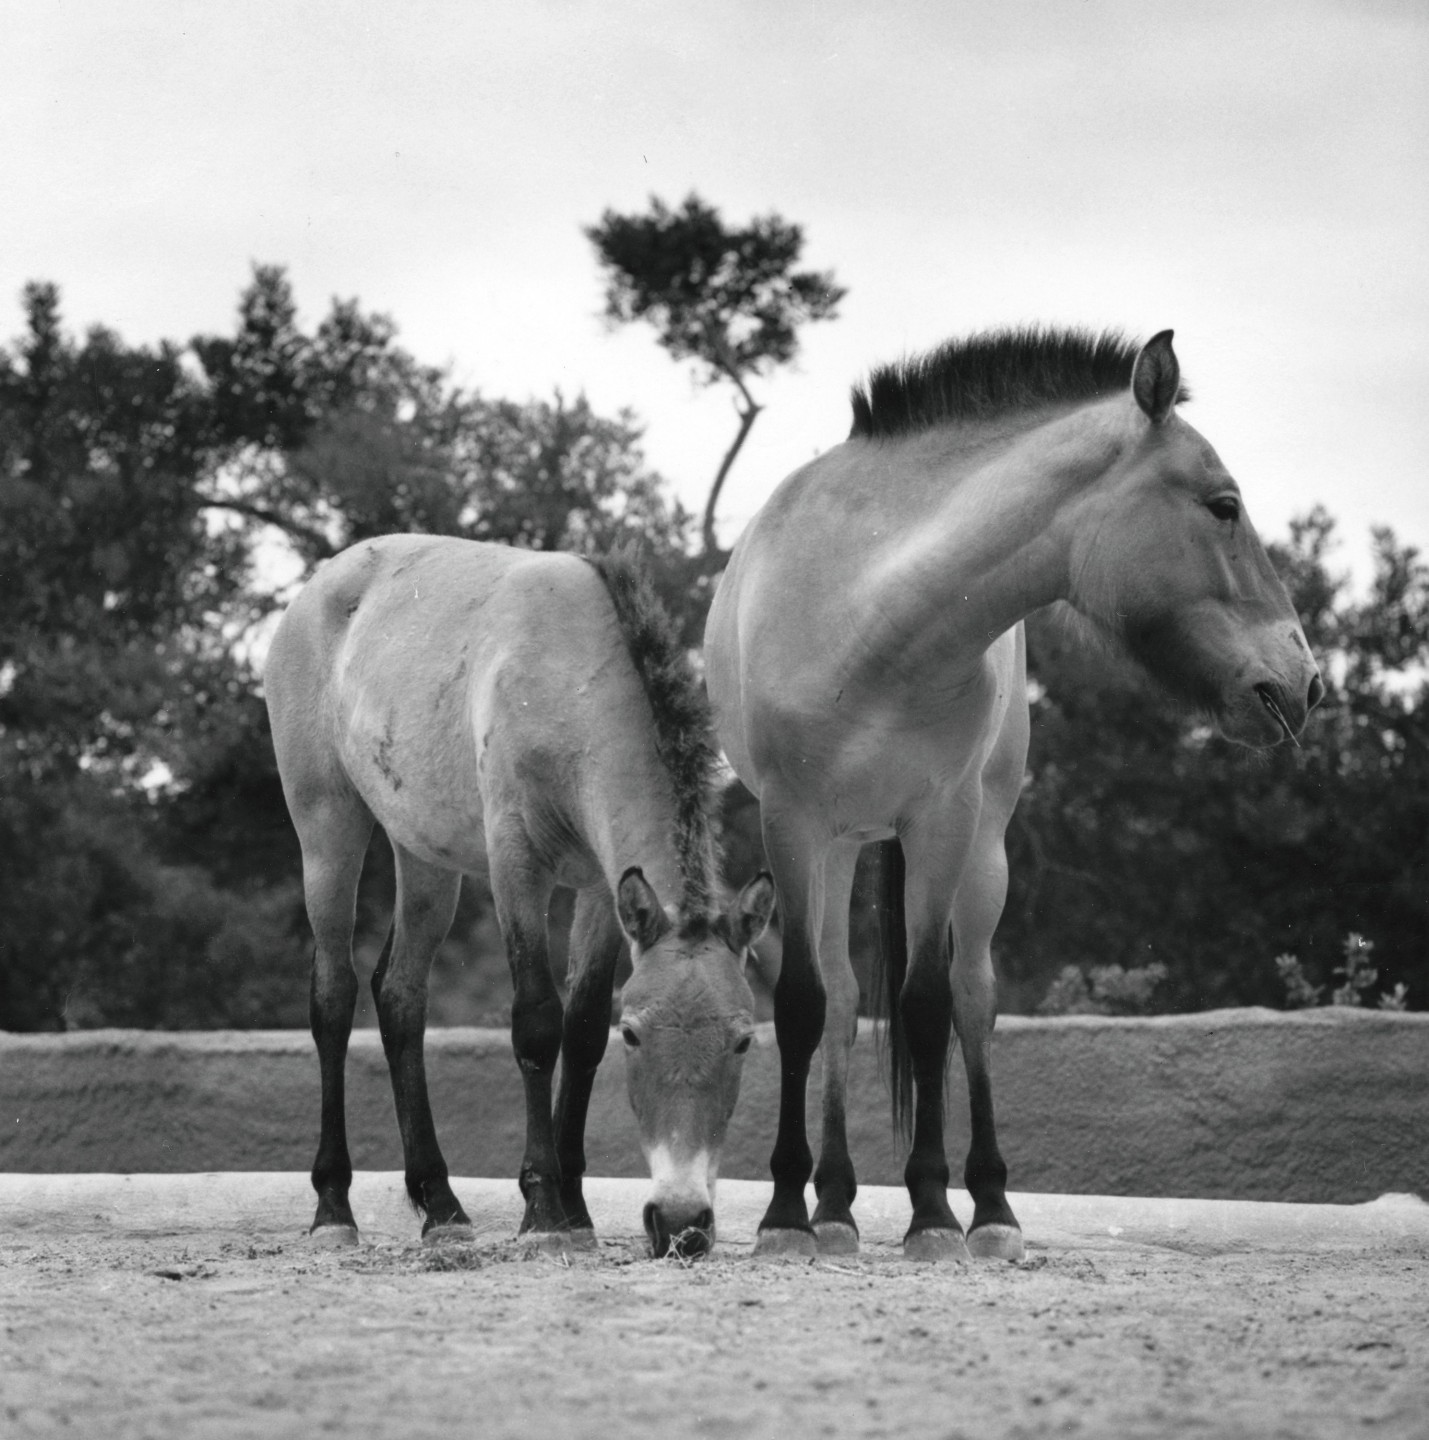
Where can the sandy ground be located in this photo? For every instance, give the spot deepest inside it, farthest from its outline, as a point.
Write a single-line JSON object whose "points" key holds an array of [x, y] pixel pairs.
{"points": [[171, 1311]]}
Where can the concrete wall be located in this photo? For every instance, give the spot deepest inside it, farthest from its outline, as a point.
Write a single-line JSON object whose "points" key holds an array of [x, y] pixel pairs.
{"points": [[1325, 1105]]}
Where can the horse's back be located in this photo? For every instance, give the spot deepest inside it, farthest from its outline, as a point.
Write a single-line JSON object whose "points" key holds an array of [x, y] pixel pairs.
{"points": [[407, 658]]}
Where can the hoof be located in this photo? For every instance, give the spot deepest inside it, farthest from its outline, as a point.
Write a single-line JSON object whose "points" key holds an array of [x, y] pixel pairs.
{"points": [[836, 1237], [785, 1245], [936, 1246], [996, 1242], [332, 1237], [553, 1242], [458, 1234]]}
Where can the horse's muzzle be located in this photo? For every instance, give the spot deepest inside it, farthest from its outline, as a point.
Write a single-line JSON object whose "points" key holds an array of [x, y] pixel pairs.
{"points": [[684, 1236]]}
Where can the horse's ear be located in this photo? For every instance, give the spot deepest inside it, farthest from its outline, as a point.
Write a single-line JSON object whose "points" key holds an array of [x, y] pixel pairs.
{"points": [[642, 917], [747, 916], [1156, 378]]}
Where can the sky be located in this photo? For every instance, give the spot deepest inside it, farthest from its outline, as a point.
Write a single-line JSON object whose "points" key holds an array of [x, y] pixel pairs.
{"points": [[1254, 176]]}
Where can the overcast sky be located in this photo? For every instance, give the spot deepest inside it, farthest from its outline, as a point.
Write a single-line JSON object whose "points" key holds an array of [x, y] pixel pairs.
{"points": [[1253, 175]]}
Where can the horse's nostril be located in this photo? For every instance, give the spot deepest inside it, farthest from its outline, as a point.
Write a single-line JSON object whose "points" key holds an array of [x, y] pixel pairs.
{"points": [[1317, 691]]}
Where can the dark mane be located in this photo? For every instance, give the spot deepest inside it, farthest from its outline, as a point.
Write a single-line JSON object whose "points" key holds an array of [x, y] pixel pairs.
{"points": [[996, 372], [684, 735]]}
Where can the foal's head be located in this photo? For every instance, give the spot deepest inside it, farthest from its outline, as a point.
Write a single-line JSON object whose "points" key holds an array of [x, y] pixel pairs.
{"points": [[687, 1019], [1166, 559]]}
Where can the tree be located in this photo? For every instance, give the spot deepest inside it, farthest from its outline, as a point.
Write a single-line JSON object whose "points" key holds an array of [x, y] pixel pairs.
{"points": [[727, 299], [148, 871]]}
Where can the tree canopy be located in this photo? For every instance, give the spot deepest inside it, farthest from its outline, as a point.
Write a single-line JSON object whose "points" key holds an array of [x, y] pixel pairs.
{"points": [[157, 502], [148, 873], [729, 299]]}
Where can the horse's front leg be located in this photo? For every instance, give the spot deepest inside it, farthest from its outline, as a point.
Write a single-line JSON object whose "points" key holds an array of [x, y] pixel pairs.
{"points": [[521, 889], [426, 902], [596, 943], [799, 1006], [935, 855], [834, 1180]]}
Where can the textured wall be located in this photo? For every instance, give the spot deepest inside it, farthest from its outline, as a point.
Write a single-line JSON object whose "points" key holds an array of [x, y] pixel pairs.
{"points": [[1327, 1105]]}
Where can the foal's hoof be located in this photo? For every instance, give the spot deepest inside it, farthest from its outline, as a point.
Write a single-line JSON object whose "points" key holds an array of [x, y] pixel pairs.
{"points": [[936, 1246], [785, 1245], [836, 1237], [457, 1233], [332, 1237], [553, 1242], [996, 1242]]}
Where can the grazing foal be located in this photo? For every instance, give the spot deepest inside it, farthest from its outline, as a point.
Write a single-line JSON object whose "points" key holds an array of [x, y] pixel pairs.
{"points": [[530, 715], [866, 663]]}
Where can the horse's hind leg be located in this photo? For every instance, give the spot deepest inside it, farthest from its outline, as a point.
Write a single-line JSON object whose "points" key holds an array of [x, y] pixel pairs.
{"points": [[334, 831], [596, 943], [977, 907], [834, 1181], [426, 902]]}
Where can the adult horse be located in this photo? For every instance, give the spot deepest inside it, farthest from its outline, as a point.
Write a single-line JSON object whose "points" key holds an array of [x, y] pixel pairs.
{"points": [[866, 662], [531, 715]]}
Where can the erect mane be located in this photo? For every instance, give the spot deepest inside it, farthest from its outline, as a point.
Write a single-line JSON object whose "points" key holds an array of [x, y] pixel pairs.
{"points": [[684, 735], [995, 372]]}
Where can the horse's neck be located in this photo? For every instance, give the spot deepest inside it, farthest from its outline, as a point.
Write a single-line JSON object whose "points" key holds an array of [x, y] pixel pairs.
{"points": [[990, 542], [631, 819]]}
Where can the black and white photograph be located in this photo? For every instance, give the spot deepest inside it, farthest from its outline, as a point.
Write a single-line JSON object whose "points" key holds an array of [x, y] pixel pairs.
{"points": [[714, 720]]}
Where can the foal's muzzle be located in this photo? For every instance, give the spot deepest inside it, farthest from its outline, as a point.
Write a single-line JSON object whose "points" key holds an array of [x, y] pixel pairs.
{"points": [[684, 1236]]}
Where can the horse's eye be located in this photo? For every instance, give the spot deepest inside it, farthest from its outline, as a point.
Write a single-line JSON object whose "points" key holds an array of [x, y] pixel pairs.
{"points": [[742, 1044], [630, 1037], [1224, 507]]}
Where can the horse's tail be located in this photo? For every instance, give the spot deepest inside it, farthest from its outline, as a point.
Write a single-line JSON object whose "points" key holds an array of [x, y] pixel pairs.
{"points": [[890, 970]]}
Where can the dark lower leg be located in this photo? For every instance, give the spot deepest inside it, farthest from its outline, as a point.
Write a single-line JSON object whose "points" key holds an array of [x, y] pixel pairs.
{"points": [[985, 1173], [834, 1181], [799, 1005], [595, 949], [927, 1007], [402, 1018], [332, 999], [536, 1039]]}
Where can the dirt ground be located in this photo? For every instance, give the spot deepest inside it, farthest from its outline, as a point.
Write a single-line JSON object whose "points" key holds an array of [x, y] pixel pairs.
{"points": [[213, 1334]]}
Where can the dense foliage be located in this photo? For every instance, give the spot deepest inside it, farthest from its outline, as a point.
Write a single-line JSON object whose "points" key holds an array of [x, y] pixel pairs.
{"points": [[148, 500], [155, 503]]}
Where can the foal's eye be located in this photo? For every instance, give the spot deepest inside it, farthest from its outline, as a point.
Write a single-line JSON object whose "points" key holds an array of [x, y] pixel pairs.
{"points": [[630, 1037], [742, 1044], [1224, 507]]}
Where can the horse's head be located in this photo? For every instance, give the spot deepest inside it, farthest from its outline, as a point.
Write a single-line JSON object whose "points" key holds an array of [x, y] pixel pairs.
{"points": [[687, 1019], [1166, 559]]}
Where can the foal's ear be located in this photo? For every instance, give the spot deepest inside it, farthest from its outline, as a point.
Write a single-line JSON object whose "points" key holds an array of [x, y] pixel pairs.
{"points": [[642, 917], [743, 923], [1156, 377]]}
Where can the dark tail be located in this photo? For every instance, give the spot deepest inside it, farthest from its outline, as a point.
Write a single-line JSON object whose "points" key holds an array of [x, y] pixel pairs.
{"points": [[889, 971]]}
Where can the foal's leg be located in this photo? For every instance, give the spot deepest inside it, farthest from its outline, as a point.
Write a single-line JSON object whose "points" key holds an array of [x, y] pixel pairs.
{"points": [[799, 1005], [521, 887], [596, 943], [426, 902], [834, 1181], [334, 830], [977, 907]]}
